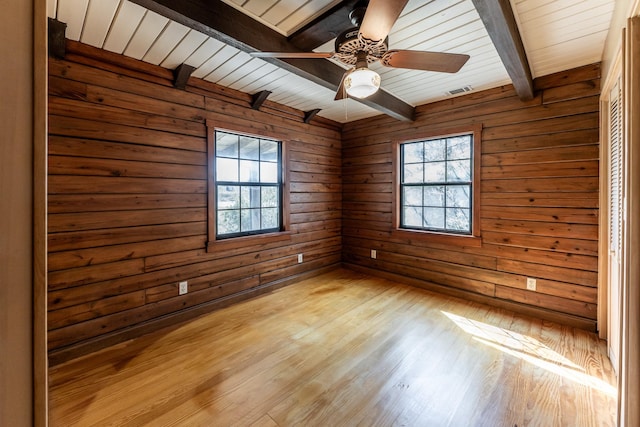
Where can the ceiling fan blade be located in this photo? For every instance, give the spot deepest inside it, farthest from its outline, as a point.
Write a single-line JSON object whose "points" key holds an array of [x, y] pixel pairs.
{"points": [[341, 93], [309, 55], [379, 18], [427, 61]]}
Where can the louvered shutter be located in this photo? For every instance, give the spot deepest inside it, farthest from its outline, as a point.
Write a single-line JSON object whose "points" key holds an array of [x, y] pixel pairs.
{"points": [[615, 120]]}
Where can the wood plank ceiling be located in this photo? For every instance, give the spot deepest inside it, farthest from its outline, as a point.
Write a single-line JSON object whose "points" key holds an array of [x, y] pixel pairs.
{"points": [[557, 35]]}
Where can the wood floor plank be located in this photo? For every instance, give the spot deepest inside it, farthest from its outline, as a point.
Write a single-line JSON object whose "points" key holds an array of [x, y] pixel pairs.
{"points": [[346, 349]]}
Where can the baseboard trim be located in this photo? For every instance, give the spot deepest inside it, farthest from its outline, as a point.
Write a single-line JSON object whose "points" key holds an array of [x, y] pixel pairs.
{"points": [[519, 308], [74, 351]]}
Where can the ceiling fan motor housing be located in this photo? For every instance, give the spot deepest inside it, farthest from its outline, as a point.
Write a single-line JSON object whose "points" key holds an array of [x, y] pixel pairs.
{"points": [[349, 43]]}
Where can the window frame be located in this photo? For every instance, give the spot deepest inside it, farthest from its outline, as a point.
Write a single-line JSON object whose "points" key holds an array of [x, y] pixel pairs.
{"points": [[226, 243], [473, 239]]}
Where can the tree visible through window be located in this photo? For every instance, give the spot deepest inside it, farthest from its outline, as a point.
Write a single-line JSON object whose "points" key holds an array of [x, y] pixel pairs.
{"points": [[436, 184], [248, 185]]}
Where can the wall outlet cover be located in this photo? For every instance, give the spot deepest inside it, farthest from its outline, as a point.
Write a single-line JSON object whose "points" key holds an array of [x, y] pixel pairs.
{"points": [[183, 288], [531, 284]]}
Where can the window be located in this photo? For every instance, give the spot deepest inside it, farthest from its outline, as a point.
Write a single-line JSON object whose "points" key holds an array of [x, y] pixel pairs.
{"points": [[248, 185], [436, 186]]}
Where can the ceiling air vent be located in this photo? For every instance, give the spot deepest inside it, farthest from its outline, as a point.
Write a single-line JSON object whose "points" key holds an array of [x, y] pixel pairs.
{"points": [[458, 91]]}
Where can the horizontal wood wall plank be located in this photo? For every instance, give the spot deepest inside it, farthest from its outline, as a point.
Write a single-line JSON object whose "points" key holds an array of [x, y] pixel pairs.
{"points": [[572, 91], [532, 142], [566, 215], [559, 154], [100, 149], [554, 258], [570, 246], [92, 256], [542, 185], [69, 184], [73, 203], [83, 128], [60, 165], [533, 170], [74, 107], [113, 236], [140, 103], [541, 199], [537, 228], [568, 77], [562, 274]]}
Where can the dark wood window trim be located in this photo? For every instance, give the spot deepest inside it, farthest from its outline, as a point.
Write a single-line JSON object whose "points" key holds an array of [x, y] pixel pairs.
{"points": [[257, 239], [431, 236]]}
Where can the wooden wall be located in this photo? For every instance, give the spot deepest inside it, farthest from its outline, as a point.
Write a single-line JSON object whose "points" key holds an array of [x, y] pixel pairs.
{"points": [[539, 199], [127, 199]]}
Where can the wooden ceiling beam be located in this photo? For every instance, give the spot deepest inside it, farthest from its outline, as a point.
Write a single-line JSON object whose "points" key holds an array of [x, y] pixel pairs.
{"points": [[223, 22], [501, 25], [325, 27]]}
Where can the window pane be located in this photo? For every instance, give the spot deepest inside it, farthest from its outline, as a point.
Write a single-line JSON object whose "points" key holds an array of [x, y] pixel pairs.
{"points": [[434, 196], [439, 199], [250, 197], [413, 152], [226, 145], [270, 218], [268, 151], [414, 173], [458, 219], [459, 170], [458, 196], [268, 172], [459, 147], [227, 170], [412, 216], [248, 184], [435, 172], [412, 196], [269, 197], [434, 217], [228, 222], [249, 171], [250, 219], [249, 148], [228, 196], [435, 150]]}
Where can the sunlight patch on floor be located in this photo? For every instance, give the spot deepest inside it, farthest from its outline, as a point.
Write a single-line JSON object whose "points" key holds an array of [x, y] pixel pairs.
{"points": [[530, 350]]}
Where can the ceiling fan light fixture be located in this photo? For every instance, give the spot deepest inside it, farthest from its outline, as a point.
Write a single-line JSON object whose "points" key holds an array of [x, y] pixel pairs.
{"points": [[362, 83]]}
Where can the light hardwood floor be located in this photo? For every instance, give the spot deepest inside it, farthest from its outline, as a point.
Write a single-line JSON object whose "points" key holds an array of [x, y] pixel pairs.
{"points": [[344, 349]]}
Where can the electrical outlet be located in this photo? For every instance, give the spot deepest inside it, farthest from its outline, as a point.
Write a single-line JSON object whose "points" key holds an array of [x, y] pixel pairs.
{"points": [[374, 254], [183, 288], [531, 284], [300, 258]]}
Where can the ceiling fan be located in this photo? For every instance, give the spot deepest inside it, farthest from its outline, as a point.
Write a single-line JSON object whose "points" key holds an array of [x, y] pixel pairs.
{"points": [[368, 42]]}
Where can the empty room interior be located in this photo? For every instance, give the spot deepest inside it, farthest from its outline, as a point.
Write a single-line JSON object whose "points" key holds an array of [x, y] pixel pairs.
{"points": [[320, 213]]}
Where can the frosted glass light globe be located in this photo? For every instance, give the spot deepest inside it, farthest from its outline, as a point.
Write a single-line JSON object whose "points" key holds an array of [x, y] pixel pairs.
{"points": [[362, 82]]}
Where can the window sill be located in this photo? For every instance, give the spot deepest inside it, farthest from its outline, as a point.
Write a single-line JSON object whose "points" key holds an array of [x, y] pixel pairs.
{"points": [[437, 238], [245, 241]]}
